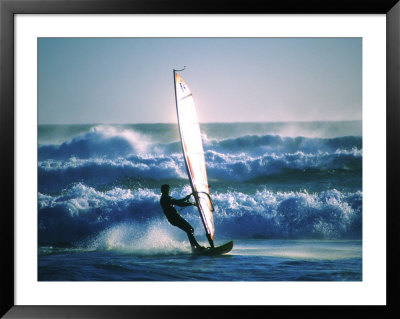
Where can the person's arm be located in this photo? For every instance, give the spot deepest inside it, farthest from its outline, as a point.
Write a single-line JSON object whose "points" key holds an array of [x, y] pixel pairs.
{"points": [[181, 202]]}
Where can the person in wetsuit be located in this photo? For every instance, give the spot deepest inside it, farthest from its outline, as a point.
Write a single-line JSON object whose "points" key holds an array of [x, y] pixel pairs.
{"points": [[167, 203]]}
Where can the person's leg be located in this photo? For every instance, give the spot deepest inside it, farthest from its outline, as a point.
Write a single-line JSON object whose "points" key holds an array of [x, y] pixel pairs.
{"points": [[185, 226]]}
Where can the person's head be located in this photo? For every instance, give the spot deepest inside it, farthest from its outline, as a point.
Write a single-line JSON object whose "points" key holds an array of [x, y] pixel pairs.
{"points": [[165, 189]]}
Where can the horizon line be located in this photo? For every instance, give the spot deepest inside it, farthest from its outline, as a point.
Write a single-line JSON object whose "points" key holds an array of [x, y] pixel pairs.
{"points": [[238, 122]]}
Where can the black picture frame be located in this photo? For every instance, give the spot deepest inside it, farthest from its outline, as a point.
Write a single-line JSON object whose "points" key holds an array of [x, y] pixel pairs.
{"points": [[8, 9]]}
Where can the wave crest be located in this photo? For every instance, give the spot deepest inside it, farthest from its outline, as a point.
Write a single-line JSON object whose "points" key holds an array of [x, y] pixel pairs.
{"points": [[55, 175], [100, 141]]}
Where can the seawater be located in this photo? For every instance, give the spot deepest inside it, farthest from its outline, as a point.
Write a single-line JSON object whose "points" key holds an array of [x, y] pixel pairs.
{"points": [[288, 194]]}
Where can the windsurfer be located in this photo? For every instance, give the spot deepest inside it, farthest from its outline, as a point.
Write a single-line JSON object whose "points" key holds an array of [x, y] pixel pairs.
{"points": [[167, 204]]}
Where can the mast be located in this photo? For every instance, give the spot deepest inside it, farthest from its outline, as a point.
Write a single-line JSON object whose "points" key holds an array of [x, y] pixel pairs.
{"points": [[188, 169]]}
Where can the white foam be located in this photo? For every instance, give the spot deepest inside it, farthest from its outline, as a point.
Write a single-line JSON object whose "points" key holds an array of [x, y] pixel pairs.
{"points": [[300, 249], [139, 142], [153, 238]]}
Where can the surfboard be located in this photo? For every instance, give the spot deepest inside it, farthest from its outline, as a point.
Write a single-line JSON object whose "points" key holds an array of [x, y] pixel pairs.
{"points": [[219, 250]]}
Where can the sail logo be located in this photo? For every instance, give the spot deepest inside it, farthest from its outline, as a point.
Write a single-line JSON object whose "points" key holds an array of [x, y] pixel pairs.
{"points": [[183, 87]]}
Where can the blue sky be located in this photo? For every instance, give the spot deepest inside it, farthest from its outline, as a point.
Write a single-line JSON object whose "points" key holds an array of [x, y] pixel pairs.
{"points": [[129, 80]]}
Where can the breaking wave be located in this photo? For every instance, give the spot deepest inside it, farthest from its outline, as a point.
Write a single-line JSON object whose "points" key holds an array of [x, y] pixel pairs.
{"points": [[81, 213], [106, 155], [110, 142]]}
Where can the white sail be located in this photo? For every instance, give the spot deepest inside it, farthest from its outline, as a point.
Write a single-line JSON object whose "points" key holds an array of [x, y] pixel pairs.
{"points": [[193, 153]]}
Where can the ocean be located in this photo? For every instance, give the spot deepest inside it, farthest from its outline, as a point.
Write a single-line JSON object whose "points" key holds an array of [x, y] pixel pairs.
{"points": [[288, 194]]}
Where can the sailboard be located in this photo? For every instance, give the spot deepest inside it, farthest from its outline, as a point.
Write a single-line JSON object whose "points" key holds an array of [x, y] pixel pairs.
{"points": [[193, 154]]}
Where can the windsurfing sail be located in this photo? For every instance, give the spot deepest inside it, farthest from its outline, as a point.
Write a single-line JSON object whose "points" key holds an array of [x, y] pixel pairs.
{"points": [[193, 153]]}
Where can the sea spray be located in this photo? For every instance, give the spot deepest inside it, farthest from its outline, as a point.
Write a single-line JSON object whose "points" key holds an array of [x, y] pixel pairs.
{"points": [[151, 238]]}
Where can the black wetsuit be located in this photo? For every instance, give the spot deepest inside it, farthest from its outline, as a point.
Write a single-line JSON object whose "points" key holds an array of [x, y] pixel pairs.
{"points": [[167, 203]]}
